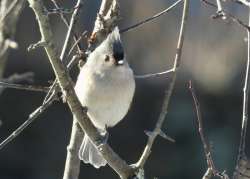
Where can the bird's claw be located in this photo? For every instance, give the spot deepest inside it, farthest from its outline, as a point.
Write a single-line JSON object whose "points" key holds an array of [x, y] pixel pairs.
{"points": [[103, 140]]}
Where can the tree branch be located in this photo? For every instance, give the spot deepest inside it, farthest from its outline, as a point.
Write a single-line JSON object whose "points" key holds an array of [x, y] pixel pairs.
{"points": [[66, 86], [31, 118], [211, 171], [151, 75], [245, 98], [219, 6], [168, 92], [106, 20], [151, 18], [224, 15], [9, 13], [4, 85], [243, 164], [72, 164], [67, 24], [8, 10], [245, 2], [54, 87], [37, 112], [73, 20]]}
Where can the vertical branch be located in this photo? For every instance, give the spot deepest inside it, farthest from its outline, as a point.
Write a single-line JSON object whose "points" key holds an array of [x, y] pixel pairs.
{"points": [[70, 29], [157, 130], [211, 170], [9, 13], [106, 20], [72, 165], [206, 146], [245, 99], [242, 167], [219, 6]]}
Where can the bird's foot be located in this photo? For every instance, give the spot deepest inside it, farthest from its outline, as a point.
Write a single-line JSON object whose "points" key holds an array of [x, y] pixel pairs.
{"points": [[104, 138]]}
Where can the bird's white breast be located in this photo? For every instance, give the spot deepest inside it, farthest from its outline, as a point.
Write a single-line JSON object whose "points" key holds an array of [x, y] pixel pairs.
{"points": [[107, 96]]}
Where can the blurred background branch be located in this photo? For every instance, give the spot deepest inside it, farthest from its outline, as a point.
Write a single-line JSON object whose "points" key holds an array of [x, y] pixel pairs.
{"points": [[9, 13], [168, 93], [242, 170], [11, 81], [211, 170], [127, 29]]}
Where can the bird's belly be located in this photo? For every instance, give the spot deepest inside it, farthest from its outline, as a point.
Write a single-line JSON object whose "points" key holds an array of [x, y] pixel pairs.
{"points": [[108, 111], [107, 98]]}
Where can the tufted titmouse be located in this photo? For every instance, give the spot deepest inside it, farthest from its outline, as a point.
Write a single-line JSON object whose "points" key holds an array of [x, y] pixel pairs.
{"points": [[106, 87]]}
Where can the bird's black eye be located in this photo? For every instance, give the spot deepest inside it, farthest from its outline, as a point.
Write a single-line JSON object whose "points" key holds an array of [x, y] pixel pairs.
{"points": [[118, 56], [107, 58]]}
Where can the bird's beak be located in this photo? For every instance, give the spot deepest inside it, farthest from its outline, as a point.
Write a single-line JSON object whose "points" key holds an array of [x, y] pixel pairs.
{"points": [[120, 62]]}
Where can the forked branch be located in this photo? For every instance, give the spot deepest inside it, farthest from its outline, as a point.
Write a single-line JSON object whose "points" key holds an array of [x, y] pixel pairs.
{"points": [[168, 93], [68, 91]]}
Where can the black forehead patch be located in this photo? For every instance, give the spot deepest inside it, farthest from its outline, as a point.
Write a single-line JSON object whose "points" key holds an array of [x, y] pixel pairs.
{"points": [[117, 47], [118, 56], [118, 50]]}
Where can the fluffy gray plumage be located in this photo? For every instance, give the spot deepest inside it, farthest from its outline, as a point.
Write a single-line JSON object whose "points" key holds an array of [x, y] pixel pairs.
{"points": [[106, 87]]}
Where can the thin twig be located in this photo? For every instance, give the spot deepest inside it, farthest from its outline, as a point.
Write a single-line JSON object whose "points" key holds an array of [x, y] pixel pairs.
{"points": [[245, 98], [219, 6], [211, 171], [73, 20], [75, 44], [24, 87], [242, 160], [168, 92], [151, 18], [8, 11], [61, 10], [225, 14], [31, 118], [72, 164], [242, 151], [17, 78], [206, 146], [8, 28], [244, 2], [67, 24], [35, 114], [73, 61], [151, 75]]}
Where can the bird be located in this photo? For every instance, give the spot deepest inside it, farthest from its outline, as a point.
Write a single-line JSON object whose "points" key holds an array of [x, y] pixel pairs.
{"points": [[105, 86]]}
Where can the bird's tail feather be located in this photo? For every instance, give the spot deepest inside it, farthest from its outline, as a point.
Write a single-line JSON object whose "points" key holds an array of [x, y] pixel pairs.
{"points": [[88, 153]]}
